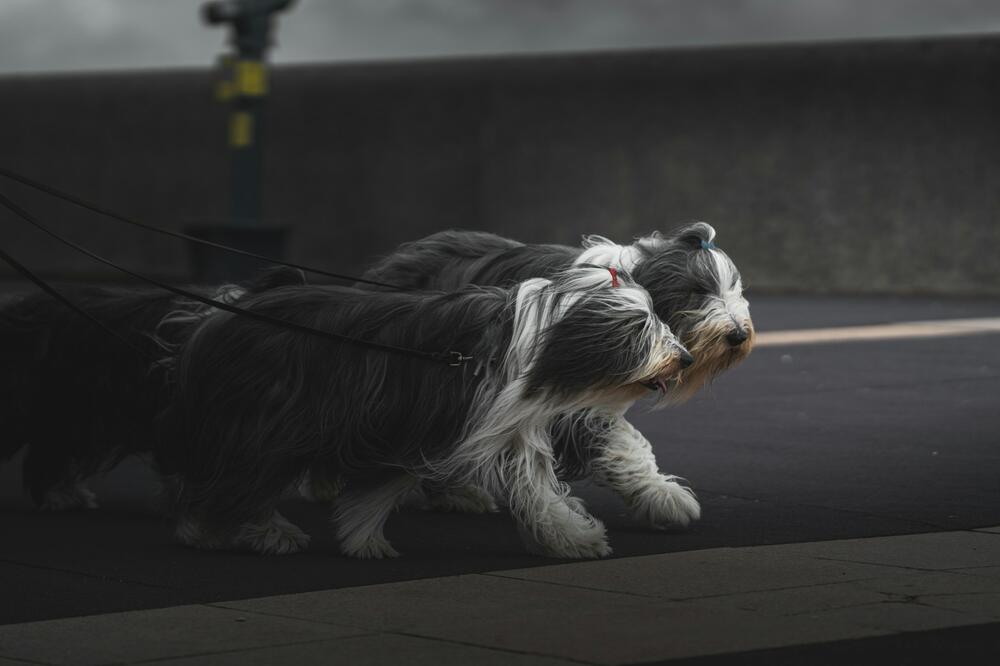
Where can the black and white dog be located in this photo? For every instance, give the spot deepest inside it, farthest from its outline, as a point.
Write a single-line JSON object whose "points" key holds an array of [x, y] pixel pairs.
{"points": [[77, 398], [695, 288], [258, 406]]}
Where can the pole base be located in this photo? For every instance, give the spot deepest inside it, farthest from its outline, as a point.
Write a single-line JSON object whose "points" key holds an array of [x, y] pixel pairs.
{"points": [[214, 266]]}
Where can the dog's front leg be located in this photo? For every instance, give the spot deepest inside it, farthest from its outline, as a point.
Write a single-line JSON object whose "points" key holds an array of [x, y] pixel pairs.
{"points": [[551, 522], [624, 462]]}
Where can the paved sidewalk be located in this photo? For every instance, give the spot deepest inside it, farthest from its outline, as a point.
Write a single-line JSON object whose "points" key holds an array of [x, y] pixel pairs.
{"points": [[623, 611]]}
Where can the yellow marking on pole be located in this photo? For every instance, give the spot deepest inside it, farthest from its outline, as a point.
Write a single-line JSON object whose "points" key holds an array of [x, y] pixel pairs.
{"points": [[240, 129], [224, 91], [251, 78], [897, 331]]}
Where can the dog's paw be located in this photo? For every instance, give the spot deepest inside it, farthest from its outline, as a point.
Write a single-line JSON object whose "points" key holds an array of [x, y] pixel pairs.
{"points": [[463, 499], [317, 489], [191, 533], [372, 548], [666, 503], [75, 495], [581, 536], [274, 536]]}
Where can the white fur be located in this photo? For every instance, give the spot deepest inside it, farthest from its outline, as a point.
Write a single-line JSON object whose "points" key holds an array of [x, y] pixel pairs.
{"points": [[601, 251], [461, 499], [272, 535], [72, 495], [732, 302], [191, 533], [626, 464], [275, 535], [313, 490], [361, 516]]}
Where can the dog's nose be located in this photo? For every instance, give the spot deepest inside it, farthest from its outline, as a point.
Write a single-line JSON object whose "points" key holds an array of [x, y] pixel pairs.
{"points": [[737, 336], [685, 359]]}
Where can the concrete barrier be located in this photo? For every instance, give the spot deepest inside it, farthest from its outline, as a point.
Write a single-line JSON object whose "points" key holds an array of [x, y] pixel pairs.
{"points": [[850, 167]]}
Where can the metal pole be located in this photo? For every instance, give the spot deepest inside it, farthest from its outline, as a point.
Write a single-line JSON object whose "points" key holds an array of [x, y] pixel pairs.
{"points": [[251, 22]]}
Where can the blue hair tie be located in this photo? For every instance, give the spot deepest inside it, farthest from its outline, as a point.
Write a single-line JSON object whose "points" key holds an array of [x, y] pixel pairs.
{"points": [[707, 245]]}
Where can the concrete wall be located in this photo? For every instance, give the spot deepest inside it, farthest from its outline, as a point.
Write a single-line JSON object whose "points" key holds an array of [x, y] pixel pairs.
{"points": [[859, 167]]}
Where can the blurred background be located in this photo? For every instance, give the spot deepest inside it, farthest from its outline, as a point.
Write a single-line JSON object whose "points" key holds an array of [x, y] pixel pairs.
{"points": [[837, 146]]}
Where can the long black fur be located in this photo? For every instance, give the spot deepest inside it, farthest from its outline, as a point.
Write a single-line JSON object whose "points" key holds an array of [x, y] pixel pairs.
{"points": [[256, 406], [77, 398]]}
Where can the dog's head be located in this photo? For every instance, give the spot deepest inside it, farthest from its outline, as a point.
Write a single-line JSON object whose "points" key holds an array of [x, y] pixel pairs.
{"points": [[598, 341], [698, 291]]}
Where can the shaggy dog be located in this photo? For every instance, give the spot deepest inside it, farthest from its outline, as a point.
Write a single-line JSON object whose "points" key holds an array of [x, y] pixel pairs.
{"points": [[695, 288], [76, 397], [257, 406]]}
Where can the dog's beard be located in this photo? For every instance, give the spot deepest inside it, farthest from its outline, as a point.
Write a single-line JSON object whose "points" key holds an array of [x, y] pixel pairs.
{"points": [[713, 355]]}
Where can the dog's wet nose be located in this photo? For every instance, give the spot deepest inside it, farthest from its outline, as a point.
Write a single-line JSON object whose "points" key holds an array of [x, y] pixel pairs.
{"points": [[737, 336], [685, 359]]}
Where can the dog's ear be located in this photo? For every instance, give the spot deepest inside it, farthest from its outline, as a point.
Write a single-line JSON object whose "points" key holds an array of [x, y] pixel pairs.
{"points": [[694, 236]]}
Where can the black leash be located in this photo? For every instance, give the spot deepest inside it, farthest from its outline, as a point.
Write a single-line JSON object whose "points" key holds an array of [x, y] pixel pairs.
{"points": [[452, 358], [56, 294], [100, 210]]}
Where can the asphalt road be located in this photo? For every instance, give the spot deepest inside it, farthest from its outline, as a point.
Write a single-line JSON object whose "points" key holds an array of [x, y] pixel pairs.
{"points": [[799, 443]]}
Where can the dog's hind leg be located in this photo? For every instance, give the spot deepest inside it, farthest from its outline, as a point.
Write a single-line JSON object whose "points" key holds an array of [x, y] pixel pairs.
{"points": [[362, 510], [625, 463], [454, 499], [271, 534], [54, 481], [72, 494], [319, 485]]}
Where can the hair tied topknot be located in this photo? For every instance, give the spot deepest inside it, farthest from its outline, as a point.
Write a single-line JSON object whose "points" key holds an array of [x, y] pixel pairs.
{"points": [[707, 245], [614, 276]]}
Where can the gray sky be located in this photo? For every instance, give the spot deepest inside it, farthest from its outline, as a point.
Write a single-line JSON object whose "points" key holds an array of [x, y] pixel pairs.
{"points": [[53, 35]]}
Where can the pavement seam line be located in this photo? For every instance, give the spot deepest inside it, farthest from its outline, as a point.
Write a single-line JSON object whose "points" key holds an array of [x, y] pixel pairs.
{"points": [[495, 648], [880, 564], [684, 599], [776, 589], [968, 571], [220, 652], [501, 574], [837, 608], [219, 605], [374, 632]]}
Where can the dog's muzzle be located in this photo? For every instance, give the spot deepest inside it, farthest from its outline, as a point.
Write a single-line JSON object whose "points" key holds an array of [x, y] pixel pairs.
{"points": [[668, 375], [737, 336]]}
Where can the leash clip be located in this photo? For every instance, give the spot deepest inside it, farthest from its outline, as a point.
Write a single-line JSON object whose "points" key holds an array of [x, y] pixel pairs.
{"points": [[457, 358]]}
